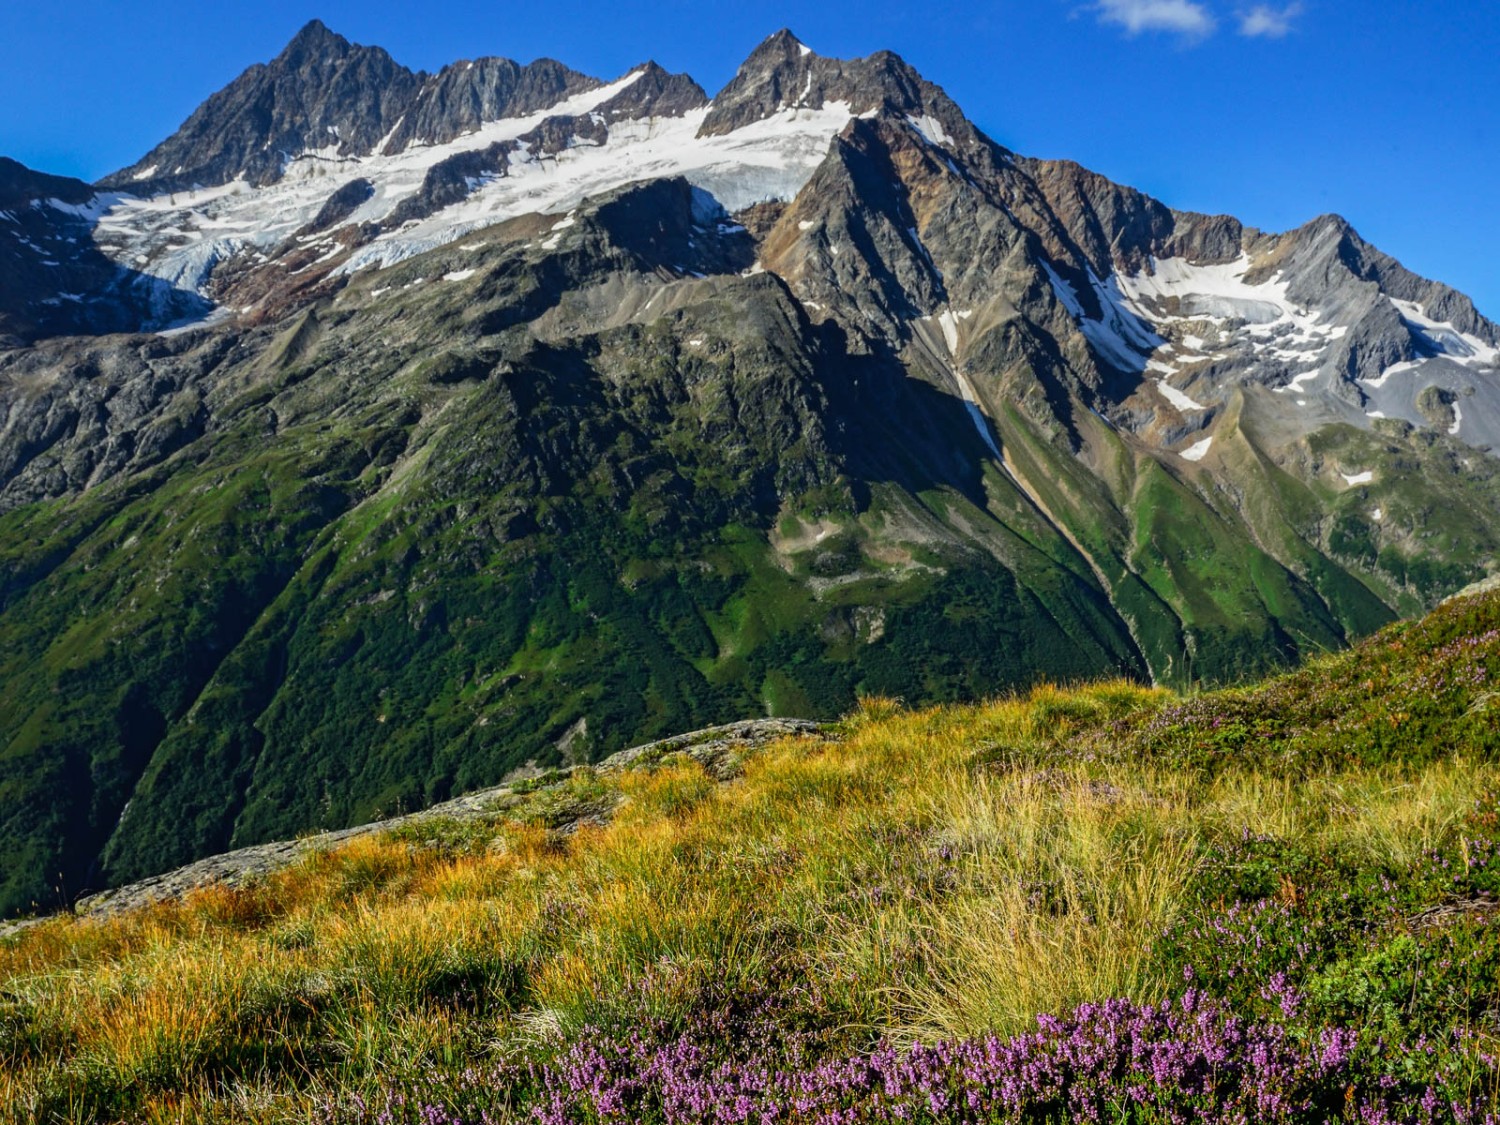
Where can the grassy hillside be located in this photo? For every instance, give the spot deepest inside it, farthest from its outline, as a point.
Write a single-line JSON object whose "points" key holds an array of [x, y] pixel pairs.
{"points": [[1105, 903]]}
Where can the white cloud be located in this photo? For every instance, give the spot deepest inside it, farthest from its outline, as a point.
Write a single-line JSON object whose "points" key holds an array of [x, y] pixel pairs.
{"points": [[1266, 22], [1182, 16]]}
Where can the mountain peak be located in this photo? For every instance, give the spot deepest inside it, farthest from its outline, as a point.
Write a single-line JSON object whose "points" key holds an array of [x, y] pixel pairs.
{"points": [[314, 31], [321, 89], [783, 73], [314, 39], [781, 44], [1325, 224]]}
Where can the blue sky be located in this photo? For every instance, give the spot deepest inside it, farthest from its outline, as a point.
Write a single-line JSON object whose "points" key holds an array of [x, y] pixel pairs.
{"points": [[1385, 111]]}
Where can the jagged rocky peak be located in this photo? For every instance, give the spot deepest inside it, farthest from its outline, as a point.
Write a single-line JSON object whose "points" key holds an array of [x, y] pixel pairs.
{"points": [[1328, 249], [326, 99], [777, 74], [464, 95], [784, 73], [321, 95], [656, 93], [316, 43]]}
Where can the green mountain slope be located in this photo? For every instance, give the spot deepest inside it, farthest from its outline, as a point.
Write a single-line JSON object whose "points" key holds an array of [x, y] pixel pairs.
{"points": [[400, 567]]}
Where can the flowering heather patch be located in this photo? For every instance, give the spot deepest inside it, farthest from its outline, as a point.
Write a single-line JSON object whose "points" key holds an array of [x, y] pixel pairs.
{"points": [[1189, 1060], [1406, 954], [1325, 989]]}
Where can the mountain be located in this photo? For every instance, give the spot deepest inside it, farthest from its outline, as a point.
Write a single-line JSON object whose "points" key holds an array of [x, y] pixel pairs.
{"points": [[536, 416]]}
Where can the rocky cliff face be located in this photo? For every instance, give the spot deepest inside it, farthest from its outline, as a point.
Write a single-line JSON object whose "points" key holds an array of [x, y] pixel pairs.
{"points": [[462, 97], [537, 415], [323, 98]]}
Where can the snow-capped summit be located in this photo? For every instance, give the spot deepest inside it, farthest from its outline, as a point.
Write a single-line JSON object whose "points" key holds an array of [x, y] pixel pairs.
{"points": [[367, 163]]}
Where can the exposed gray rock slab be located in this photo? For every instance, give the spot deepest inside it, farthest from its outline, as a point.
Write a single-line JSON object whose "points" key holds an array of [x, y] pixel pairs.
{"points": [[713, 747]]}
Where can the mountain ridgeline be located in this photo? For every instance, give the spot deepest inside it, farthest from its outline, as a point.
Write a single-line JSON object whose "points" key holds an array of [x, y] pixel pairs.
{"points": [[379, 434]]}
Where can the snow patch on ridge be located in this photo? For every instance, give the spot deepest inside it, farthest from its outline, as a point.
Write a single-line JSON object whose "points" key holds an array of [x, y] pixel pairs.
{"points": [[947, 322], [1065, 292], [976, 415], [931, 129], [1198, 450], [1299, 383], [1177, 398], [215, 316], [90, 211], [1441, 335], [1394, 369], [1121, 335]]}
